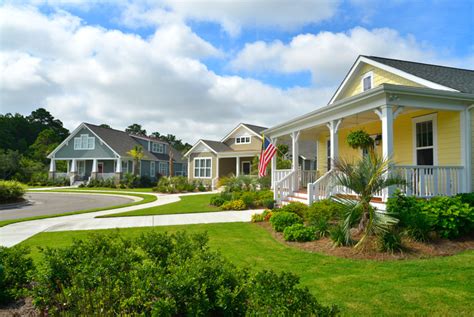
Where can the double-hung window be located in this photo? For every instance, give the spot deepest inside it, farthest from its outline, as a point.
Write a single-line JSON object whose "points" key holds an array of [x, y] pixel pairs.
{"points": [[163, 168], [157, 147], [84, 142], [202, 167], [425, 141], [152, 169], [242, 140]]}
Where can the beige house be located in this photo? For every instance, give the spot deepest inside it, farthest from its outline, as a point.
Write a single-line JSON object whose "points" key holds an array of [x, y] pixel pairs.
{"points": [[233, 155]]}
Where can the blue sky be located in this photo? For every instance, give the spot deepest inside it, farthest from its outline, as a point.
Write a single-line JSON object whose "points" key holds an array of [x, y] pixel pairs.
{"points": [[223, 57]]}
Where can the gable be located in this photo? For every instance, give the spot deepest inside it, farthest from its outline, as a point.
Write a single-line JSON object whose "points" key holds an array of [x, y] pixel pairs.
{"points": [[243, 134], [71, 149], [380, 76]]}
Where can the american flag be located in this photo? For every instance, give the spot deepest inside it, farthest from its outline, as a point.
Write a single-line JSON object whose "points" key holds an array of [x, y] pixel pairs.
{"points": [[268, 151]]}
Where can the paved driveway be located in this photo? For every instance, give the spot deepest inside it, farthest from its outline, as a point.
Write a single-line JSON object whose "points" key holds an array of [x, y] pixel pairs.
{"points": [[58, 203]]}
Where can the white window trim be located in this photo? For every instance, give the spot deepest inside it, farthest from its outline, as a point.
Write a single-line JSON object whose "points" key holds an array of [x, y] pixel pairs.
{"points": [[242, 167], [80, 148], [152, 170], [194, 167], [245, 139], [162, 147], [368, 74], [429, 117]]}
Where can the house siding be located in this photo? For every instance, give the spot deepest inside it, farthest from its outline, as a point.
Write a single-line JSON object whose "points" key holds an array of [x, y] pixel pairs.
{"points": [[448, 137], [380, 77], [472, 150], [100, 151]]}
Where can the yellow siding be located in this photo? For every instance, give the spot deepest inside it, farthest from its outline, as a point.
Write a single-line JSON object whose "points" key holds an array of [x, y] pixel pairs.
{"points": [[449, 139], [380, 77]]}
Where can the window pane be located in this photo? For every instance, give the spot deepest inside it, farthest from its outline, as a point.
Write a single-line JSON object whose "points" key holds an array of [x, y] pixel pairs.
{"points": [[196, 172], [208, 163], [424, 134], [424, 157], [367, 82], [198, 163], [208, 172]]}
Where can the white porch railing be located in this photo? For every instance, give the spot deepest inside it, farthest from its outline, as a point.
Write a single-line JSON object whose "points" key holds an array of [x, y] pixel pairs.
{"points": [[307, 176], [104, 176], [429, 181], [61, 175], [284, 187], [278, 175]]}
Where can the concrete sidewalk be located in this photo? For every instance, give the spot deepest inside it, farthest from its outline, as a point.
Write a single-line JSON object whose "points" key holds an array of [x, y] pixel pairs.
{"points": [[15, 233]]}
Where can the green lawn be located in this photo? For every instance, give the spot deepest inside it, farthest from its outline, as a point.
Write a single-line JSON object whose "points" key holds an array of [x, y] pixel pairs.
{"points": [[138, 190], [145, 199], [187, 204], [440, 286]]}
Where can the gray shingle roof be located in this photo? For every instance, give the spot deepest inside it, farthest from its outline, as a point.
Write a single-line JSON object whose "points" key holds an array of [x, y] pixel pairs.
{"points": [[255, 128], [217, 146], [456, 78], [118, 140]]}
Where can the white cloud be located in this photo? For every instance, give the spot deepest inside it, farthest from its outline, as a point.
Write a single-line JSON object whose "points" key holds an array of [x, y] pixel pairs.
{"points": [[230, 14], [86, 73], [328, 55]]}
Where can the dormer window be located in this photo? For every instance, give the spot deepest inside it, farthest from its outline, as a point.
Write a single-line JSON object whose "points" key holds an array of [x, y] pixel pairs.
{"points": [[367, 81], [84, 142], [157, 147], [242, 140]]}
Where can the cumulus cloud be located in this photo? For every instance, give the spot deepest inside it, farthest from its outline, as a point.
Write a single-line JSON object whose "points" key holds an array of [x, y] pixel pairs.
{"points": [[230, 14], [87, 73], [328, 55]]}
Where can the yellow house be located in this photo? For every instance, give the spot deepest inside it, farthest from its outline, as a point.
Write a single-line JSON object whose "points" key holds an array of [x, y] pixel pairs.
{"points": [[209, 160], [419, 115]]}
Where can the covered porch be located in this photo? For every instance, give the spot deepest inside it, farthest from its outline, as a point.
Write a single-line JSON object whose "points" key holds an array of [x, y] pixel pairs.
{"points": [[84, 169], [427, 137], [233, 165]]}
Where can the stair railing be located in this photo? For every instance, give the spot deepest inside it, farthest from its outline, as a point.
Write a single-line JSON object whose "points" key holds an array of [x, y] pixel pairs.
{"points": [[284, 187], [321, 188]]}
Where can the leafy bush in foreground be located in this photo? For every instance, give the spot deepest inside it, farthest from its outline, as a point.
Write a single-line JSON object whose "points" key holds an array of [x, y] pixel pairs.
{"points": [[298, 232], [390, 241], [11, 191], [467, 198], [234, 205], [324, 209], [282, 219], [15, 273], [162, 275], [295, 207]]}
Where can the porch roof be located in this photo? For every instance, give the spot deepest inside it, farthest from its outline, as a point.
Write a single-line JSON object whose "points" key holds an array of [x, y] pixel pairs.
{"points": [[385, 94]]}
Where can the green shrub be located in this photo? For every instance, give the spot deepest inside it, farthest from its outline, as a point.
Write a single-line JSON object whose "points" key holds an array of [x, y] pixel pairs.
{"points": [[282, 219], [412, 221], [217, 201], [322, 227], [467, 198], [11, 191], [176, 184], [324, 209], [452, 218], [258, 218], [249, 199], [265, 199], [234, 205], [159, 274], [130, 181], [267, 214], [339, 237], [240, 183], [296, 207], [298, 232], [390, 241], [278, 294], [16, 268]]}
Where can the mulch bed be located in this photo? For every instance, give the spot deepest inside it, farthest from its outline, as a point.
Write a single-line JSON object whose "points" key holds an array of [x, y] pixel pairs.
{"points": [[412, 249], [22, 307]]}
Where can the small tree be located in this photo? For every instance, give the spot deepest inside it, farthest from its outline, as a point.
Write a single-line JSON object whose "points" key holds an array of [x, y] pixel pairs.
{"points": [[137, 154], [171, 155], [365, 178]]}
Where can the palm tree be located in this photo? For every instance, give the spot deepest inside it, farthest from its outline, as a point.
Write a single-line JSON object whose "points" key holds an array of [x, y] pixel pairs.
{"points": [[137, 154], [365, 178]]}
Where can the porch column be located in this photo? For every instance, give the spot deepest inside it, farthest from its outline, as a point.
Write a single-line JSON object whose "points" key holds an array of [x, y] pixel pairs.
{"points": [[466, 144], [94, 169], [73, 171], [333, 127], [274, 163], [52, 168], [237, 166], [295, 155], [189, 168], [118, 170], [385, 114]]}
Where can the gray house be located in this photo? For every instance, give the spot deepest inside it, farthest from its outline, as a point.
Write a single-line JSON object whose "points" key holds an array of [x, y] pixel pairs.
{"points": [[95, 152]]}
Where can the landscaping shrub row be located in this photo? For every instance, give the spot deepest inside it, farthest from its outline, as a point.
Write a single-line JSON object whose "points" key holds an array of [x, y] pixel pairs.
{"points": [[419, 219], [179, 184], [11, 191], [240, 200], [155, 274]]}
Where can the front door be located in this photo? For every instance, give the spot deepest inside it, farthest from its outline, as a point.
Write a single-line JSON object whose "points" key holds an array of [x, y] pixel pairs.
{"points": [[100, 167], [246, 168], [81, 168]]}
